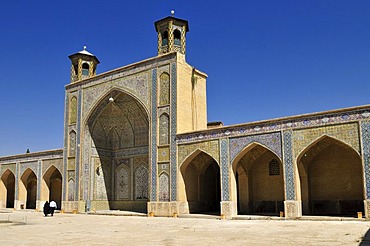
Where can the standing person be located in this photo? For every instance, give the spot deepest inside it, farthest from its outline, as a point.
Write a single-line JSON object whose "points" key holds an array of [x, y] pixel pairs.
{"points": [[46, 208], [53, 206]]}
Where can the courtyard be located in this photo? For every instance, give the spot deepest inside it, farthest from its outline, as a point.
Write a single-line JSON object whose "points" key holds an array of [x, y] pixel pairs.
{"points": [[28, 227]]}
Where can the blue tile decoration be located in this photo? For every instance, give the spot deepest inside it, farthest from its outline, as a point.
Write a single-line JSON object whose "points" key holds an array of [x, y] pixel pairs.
{"points": [[31, 165], [270, 140], [16, 176], [261, 127], [288, 164], [224, 156], [78, 139], [65, 149], [39, 178], [365, 136], [173, 161], [153, 193]]}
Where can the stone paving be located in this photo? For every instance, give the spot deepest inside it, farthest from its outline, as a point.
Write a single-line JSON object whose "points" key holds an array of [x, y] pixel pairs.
{"points": [[32, 228]]}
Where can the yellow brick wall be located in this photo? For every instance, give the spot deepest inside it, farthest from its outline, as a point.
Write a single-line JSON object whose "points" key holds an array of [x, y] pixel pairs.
{"points": [[191, 106]]}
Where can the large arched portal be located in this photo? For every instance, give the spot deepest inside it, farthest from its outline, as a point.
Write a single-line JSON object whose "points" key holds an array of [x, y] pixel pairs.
{"points": [[331, 179], [201, 176], [28, 189], [119, 130], [7, 189], [259, 181], [53, 182]]}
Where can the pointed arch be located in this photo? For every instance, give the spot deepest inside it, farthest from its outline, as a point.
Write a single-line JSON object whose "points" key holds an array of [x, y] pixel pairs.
{"points": [[200, 183], [192, 155], [28, 188], [257, 182], [247, 148], [51, 185], [103, 101], [323, 138], [165, 38], [330, 178], [7, 189], [177, 37]]}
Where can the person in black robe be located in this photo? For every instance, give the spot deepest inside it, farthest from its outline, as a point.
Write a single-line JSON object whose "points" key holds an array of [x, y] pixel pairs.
{"points": [[46, 208]]}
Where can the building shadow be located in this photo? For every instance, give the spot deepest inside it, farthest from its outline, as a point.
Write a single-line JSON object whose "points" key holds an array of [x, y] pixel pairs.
{"points": [[365, 240]]}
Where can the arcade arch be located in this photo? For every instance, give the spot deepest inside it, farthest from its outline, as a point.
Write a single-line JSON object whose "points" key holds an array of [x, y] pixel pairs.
{"points": [[28, 189], [119, 130], [7, 189], [331, 180], [200, 175], [257, 181], [52, 186]]}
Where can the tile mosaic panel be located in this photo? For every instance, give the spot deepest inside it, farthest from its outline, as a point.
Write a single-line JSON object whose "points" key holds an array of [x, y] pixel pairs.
{"points": [[288, 165], [365, 136], [141, 182], [153, 181], [163, 154], [39, 178], [173, 132], [277, 125], [25, 165], [65, 147], [164, 187], [57, 163], [11, 167], [17, 167], [78, 138], [209, 147], [136, 85], [224, 156], [347, 133], [122, 181], [271, 140]]}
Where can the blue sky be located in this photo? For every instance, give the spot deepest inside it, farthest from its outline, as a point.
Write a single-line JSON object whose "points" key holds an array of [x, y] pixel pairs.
{"points": [[265, 58]]}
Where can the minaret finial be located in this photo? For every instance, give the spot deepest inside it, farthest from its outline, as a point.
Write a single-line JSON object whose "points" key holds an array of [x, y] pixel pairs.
{"points": [[172, 13], [85, 47]]}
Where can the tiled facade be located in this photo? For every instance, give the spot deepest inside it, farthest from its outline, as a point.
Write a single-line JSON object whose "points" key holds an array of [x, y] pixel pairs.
{"points": [[108, 164]]}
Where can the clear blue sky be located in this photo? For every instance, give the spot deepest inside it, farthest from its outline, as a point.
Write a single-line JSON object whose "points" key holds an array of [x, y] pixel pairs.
{"points": [[265, 58]]}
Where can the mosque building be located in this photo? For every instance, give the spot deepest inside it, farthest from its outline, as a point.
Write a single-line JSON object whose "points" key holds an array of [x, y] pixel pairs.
{"points": [[136, 138]]}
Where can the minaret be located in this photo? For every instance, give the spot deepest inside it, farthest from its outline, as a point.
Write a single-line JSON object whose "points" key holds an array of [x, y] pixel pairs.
{"points": [[83, 65], [171, 34]]}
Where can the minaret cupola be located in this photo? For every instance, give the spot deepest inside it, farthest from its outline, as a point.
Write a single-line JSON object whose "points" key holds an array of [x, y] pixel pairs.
{"points": [[83, 65], [171, 34]]}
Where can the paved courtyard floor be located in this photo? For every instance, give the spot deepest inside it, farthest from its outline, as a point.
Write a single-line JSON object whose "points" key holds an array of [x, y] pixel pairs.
{"points": [[31, 228]]}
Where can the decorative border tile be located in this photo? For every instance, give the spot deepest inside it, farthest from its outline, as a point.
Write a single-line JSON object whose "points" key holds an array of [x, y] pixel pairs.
{"points": [[173, 161], [224, 156], [305, 121], [288, 165], [365, 137], [65, 150], [39, 178], [16, 195], [25, 165], [153, 194], [78, 139], [270, 140]]}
